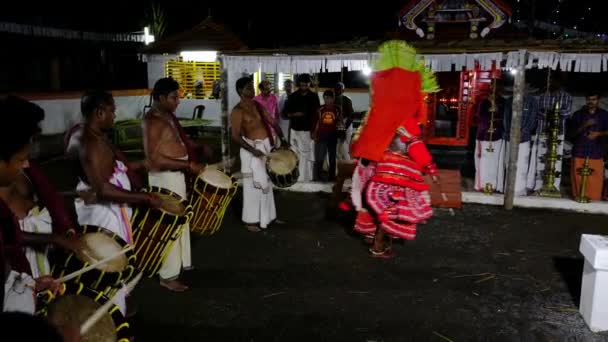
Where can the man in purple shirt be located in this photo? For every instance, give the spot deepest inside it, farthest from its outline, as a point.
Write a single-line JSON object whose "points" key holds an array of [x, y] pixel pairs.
{"points": [[587, 129], [268, 100]]}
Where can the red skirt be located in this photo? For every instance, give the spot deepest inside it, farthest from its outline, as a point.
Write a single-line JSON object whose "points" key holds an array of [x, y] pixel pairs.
{"points": [[396, 208]]}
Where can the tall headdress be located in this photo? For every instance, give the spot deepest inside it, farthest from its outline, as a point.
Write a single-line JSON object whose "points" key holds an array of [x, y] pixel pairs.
{"points": [[399, 82]]}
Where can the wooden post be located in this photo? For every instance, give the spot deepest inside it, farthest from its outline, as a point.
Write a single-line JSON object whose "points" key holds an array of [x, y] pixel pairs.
{"points": [[55, 73], [519, 87], [225, 129]]}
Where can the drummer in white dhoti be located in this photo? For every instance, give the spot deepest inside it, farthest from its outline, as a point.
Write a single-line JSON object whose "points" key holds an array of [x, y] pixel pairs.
{"points": [[16, 134], [103, 183], [42, 218], [168, 158], [251, 127]]}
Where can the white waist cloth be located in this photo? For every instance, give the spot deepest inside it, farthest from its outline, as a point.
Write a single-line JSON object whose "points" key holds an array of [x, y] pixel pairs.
{"points": [[170, 180], [489, 164], [256, 167], [115, 217], [19, 295], [37, 221], [344, 146], [304, 147], [523, 163], [258, 198], [179, 256]]}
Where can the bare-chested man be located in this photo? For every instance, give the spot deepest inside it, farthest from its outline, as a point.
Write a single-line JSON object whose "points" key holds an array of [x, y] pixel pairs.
{"points": [[251, 126], [167, 155], [103, 176], [41, 215]]}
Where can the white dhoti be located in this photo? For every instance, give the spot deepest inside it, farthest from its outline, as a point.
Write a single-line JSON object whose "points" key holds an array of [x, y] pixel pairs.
{"points": [[115, 217], [179, 256], [488, 165], [258, 197], [303, 146], [37, 221], [536, 171], [284, 124], [344, 146], [19, 295], [523, 162]]}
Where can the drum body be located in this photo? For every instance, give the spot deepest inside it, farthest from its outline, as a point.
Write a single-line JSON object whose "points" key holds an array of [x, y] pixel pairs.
{"points": [[99, 243], [155, 231], [282, 167], [211, 194], [75, 303]]}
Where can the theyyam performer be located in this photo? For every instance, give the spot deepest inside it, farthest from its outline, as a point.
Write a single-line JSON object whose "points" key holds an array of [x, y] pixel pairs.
{"points": [[389, 190]]}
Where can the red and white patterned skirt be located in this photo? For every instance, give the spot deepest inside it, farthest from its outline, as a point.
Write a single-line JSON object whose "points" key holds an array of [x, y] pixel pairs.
{"points": [[396, 208]]}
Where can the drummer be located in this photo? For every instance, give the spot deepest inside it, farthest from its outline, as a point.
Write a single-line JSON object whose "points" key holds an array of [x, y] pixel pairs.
{"points": [[251, 129], [169, 157], [42, 216], [103, 185], [16, 133]]}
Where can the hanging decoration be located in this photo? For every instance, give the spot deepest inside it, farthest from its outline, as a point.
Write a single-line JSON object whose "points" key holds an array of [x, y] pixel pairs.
{"points": [[423, 16]]}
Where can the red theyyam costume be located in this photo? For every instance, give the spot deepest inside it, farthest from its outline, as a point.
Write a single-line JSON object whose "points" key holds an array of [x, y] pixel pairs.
{"points": [[389, 191]]}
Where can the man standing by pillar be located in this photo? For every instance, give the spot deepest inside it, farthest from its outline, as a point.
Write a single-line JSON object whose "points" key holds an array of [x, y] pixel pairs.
{"points": [[546, 109], [489, 147], [302, 107], [588, 126], [283, 119], [345, 105], [528, 125]]}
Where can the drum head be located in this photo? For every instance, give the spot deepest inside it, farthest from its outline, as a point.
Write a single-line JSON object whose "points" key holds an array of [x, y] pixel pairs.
{"points": [[282, 162], [216, 178], [98, 246], [75, 310], [172, 205]]}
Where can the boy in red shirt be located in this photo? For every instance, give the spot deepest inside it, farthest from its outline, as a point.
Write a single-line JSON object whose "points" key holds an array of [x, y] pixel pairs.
{"points": [[325, 136]]}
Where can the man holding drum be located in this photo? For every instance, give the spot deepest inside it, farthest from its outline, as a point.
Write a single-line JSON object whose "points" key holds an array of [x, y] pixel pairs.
{"points": [[251, 129], [168, 157], [103, 185], [16, 133]]}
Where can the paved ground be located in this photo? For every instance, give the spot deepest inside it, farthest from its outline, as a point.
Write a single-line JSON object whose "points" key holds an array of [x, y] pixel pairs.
{"points": [[483, 274]]}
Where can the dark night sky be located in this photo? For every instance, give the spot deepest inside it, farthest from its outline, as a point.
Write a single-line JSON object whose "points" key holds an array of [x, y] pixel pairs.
{"points": [[272, 23]]}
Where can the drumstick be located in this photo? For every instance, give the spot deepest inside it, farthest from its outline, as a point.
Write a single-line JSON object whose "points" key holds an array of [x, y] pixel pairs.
{"points": [[103, 310], [92, 266]]}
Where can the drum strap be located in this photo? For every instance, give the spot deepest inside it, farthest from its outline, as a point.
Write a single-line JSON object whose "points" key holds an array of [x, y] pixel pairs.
{"points": [[267, 124]]}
